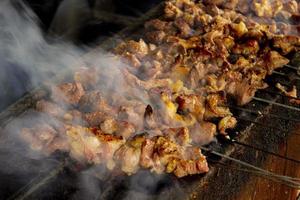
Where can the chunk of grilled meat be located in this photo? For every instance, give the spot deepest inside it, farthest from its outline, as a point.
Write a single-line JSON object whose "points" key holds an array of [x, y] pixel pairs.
{"points": [[68, 93], [161, 154]]}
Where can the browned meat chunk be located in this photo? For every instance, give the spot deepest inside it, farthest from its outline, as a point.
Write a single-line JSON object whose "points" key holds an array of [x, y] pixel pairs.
{"points": [[228, 122], [156, 24], [179, 135], [161, 154], [156, 37], [68, 93], [191, 104], [215, 107], [203, 132], [274, 60]]}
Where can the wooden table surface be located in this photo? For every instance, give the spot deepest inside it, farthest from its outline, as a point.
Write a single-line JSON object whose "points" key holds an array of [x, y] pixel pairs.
{"points": [[263, 189]]}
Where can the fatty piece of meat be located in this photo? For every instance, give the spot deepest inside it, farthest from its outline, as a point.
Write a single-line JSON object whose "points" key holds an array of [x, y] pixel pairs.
{"points": [[128, 155], [194, 163], [135, 82], [129, 158], [84, 145], [147, 153], [243, 93], [91, 145]]}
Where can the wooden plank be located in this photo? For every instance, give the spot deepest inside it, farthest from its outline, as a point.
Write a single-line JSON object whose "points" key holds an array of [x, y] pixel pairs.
{"points": [[264, 189]]}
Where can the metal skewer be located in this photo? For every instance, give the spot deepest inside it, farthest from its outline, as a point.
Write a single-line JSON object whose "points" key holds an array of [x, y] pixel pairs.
{"points": [[277, 104], [259, 113], [291, 67], [261, 124], [290, 181], [283, 74], [232, 141]]}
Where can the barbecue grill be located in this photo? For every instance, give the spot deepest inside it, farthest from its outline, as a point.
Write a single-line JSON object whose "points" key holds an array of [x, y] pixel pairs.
{"points": [[268, 120]]}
